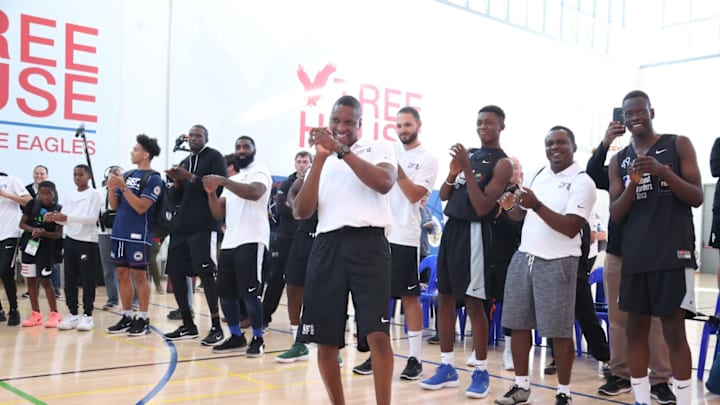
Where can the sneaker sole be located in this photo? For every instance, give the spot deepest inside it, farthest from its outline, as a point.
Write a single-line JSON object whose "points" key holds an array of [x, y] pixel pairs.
{"points": [[410, 377], [254, 355], [612, 394], [60, 327], [655, 397], [447, 384], [472, 394], [186, 337], [362, 372], [117, 332], [292, 359], [206, 343], [234, 349], [85, 329], [138, 334]]}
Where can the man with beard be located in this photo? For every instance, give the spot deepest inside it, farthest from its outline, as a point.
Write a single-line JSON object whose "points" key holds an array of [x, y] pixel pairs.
{"points": [[244, 205], [473, 186], [350, 252], [654, 182], [284, 235], [417, 170], [193, 238]]}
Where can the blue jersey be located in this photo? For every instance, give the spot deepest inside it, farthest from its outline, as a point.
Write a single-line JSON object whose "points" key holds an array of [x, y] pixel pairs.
{"points": [[129, 225]]}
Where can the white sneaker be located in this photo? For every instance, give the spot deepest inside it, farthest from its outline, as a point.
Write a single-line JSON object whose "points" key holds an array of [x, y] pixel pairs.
{"points": [[86, 323], [471, 360], [508, 361], [69, 322]]}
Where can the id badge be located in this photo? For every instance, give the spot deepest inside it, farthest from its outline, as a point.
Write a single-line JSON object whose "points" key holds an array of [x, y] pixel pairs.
{"points": [[32, 247]]}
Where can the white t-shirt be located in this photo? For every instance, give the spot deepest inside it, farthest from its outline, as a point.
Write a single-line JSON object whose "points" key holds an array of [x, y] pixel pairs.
{"points": [[567, 192], [246, 221], [421, 167], [344, 200], [83, 210], [10, 213]]}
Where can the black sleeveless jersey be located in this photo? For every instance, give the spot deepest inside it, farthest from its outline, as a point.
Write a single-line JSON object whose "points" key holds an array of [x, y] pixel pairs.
{"points": [[658, 232], [483, 163]]}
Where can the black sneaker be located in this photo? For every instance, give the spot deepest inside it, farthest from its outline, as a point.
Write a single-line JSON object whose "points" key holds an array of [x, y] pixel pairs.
{"points": [[615, 386], [434, 339], [176, 315], [26, 294], [234, 344], [58, 294], [13, 317], [413, 369], [139, 327], [562, 399], [256, 348], [123, 325], [662, 394], [183, 333], [214, 338], [3, 318], [551, 369], [365, 368]]}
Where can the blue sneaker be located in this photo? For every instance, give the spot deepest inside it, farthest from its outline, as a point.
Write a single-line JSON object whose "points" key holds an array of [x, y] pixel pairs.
{"points": [[480, 386], [445, 376]]}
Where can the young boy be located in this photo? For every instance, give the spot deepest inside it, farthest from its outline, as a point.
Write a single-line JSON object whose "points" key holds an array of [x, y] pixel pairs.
{"points": [[79, 216], [38, 247]]}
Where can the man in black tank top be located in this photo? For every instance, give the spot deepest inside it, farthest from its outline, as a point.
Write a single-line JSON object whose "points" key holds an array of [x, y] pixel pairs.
{"points": [[472, 188], [654, 182]]}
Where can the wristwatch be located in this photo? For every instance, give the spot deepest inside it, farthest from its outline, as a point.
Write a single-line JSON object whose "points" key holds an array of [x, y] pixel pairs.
{"points": [[344, 149]]}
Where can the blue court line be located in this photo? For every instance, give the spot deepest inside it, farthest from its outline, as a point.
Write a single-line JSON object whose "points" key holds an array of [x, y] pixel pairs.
{"points": [[27, 124], [168, 374]]}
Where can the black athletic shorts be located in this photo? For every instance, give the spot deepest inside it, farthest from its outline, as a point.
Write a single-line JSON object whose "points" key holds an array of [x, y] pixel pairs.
{"points": [[714, 240], [8, 250], [658, 293], [355, 260], [192, 254], [240, 271], [461, 260], [404, 281], [297, 261]]}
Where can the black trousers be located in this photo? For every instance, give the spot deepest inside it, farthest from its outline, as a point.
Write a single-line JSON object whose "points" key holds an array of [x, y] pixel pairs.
{"points": [[276, 280], [589, 324], [80, 260], [8, 247]]}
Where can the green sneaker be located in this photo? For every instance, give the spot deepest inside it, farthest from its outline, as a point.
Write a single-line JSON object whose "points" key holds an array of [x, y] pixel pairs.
{"points": [[298, 351]]}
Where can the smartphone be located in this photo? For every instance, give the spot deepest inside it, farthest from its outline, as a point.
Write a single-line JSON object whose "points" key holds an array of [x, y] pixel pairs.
{"points": [[618, 115]]}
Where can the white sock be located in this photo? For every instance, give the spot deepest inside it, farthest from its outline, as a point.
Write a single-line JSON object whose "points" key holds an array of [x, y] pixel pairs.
{"points": [[143, 315], [507, 344], [415, 340], [293, 331], [563, 389], [522, 381], [641, 389], [447, 358], [128, 313], [480, 365], [683, 390]]}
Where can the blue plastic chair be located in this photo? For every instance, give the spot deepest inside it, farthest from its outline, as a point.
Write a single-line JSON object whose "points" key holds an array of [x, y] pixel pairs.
{"points": [[707, 331], [601, 305]]}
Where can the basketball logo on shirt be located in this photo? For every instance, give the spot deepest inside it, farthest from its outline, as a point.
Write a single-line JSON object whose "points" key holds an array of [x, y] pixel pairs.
{"points": [[156, 191]]}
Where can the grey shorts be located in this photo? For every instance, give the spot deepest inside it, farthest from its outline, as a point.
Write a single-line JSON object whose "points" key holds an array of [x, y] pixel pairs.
{"points": [[540, 294]]}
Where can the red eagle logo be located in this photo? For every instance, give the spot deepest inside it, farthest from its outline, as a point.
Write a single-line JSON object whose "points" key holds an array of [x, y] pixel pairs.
{"points": [[313, 89]]}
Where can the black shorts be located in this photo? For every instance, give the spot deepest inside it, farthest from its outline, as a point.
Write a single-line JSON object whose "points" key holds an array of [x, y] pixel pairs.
{"points": [[355, 260], [714, 240], [404, 281], [657, 293], [461, 260], [297, 262], [240, 271], [8, 250], [192, 254]]}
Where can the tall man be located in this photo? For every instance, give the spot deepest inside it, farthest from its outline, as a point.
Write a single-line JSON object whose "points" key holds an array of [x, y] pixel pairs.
{"points": [[542, 275], [472, 188], [132, 233], [350, 252], [12, 196], [284, 235], [243, 204], [417, 170], [618, 381], [654, 182], [193, 238]]}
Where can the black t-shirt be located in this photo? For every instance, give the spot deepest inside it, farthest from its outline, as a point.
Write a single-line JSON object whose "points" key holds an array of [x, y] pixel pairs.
{"points": [[658, 231], [193, 214], [45, 254], [483, 163], [287, 225]]}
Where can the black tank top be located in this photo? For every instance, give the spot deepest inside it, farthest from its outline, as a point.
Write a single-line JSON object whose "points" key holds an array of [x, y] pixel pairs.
{"points": [[658, 232], [483, 163]]}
